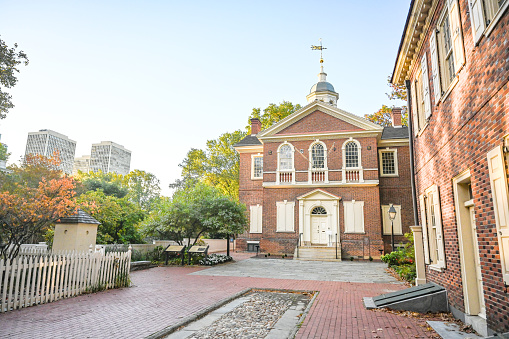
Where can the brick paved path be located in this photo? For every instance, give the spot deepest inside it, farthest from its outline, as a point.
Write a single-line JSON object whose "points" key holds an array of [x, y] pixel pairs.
{"points": [[162, 296]]}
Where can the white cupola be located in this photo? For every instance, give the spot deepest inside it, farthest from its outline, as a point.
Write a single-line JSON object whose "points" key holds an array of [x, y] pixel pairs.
{"points": [[323, 90]]}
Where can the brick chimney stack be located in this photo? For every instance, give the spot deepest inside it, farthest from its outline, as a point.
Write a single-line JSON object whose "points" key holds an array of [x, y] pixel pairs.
{"points": [[256, 126], [396, 117]]}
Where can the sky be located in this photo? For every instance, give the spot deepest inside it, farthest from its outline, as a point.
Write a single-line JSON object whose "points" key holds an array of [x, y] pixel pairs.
{"points": [[162, 77]]}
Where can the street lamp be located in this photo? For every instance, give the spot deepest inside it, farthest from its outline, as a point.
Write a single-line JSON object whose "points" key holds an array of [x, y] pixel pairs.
{"points": [[392, 216]]}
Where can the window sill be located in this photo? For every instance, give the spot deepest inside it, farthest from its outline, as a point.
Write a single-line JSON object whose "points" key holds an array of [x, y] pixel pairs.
{"points": [[355, 232], [395, 234], [285, 231], [255, 232], [255, 179], [422, 130], [389, 175], [436, 268]]}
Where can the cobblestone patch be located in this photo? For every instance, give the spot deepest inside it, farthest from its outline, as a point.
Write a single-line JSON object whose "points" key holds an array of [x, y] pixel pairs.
{"points": [[254, 317]]}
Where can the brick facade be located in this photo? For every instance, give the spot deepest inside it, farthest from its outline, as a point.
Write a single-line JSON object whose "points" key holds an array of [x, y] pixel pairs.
{"points": [[463, 127], [373, 192]]}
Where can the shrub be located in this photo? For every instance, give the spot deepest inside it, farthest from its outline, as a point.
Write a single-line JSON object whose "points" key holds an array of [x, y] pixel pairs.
{"points": [[403, 260], [214, 259]]}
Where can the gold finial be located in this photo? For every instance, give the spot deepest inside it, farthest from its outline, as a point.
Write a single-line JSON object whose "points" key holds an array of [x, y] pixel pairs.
{"points": [[319, 48]]}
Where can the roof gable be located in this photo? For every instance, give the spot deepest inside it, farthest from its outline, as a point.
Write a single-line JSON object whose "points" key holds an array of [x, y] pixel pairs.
{"points": [[318, 121], [318, 194], [346, 121]]}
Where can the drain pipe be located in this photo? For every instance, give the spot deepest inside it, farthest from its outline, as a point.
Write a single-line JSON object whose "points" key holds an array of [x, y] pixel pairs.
{"points": [[411, 148]]}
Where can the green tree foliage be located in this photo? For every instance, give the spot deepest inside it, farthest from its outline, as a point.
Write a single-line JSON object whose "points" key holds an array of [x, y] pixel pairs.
{"points": [[217, 166], [272, 114], [193, 212], [111, 184], [119, 217], [4, 155], [143, 188], [9, 61]]}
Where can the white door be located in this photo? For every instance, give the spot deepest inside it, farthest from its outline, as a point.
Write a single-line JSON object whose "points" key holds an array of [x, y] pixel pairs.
{"points": [[323, 231], [319, 229], [475, 246]]}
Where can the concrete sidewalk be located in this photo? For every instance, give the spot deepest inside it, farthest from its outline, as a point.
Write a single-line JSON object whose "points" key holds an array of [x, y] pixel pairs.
{"points": [[162, 296]]}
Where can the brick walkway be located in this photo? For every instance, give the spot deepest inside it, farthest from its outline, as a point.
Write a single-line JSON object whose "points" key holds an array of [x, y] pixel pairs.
{"points": [[162, 296]]}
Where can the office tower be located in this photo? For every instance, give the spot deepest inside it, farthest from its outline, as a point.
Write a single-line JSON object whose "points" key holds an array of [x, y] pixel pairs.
{"points": [[81, 164], [108, 156], [46, 142]]}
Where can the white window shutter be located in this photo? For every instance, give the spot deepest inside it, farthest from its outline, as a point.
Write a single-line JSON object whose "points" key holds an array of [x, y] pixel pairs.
{"points": [[359, 216], [349, 217], [253, 216], [456, 35], [281, 215], [435, 71], [499, 192], [289, 216], [440, 229], [397, 221], [415, 119], [424, 225], [477, 18], [386, 221], [425, 86]]}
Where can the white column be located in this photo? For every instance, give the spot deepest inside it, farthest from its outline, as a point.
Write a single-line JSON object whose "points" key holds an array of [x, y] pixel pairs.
{"points": [[419, 255]]}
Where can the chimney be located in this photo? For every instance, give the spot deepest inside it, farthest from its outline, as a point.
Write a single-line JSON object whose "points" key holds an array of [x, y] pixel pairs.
{"points": [[396, 117], [256, 126]]}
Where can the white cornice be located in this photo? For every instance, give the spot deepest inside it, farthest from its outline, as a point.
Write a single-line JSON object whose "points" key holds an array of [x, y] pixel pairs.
{"points": [[329, 184], [393, 142], [249, 149], [325, 108], [329, 135]]}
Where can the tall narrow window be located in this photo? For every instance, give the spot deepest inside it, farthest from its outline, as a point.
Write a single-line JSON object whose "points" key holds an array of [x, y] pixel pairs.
{"points": [[388, 162], [351, 155], [285, 158], [448, 52], [318, 156], [257, 167]]}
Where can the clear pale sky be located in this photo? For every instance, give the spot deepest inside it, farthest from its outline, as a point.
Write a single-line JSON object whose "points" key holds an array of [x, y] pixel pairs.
{"points": [[161, 77]]}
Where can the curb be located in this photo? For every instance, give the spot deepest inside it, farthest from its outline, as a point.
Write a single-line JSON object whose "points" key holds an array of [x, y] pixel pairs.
{"points": [[303, 316]]}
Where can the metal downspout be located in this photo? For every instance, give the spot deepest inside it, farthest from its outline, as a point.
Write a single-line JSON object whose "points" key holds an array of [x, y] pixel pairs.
{"points": [[411, 148]]}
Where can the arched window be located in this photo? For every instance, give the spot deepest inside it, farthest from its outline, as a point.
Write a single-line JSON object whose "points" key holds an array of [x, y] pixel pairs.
{"points": [[285, 158], [318, 211], [318, 156], [351, 154]]}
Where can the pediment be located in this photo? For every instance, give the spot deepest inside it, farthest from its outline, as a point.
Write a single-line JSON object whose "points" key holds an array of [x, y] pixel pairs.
{"points": [[319, 118], [319, 194]]}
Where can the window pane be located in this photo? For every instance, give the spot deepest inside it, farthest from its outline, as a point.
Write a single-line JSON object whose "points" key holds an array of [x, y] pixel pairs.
{"points": [[285, 158], [351, 155], [258, 167], [318, 156], [388, 163]]}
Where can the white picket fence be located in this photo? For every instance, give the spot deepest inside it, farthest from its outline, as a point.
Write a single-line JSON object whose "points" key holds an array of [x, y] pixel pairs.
{"points": [[33, 279]]}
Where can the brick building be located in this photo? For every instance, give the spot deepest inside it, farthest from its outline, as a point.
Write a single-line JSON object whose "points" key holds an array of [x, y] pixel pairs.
{"points": [[454, 58], [321, 181]]}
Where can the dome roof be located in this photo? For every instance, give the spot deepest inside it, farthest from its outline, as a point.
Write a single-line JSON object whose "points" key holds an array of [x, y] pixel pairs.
{"points": [[322, 86]]}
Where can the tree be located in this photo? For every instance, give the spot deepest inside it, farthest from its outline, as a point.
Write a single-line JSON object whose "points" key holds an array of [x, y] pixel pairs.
{"points": [[119, 217], [383, 117], [9, 61], [143, 188], [193, 212], [111, 184], [32, 197], [4, 155], [272, 114]]}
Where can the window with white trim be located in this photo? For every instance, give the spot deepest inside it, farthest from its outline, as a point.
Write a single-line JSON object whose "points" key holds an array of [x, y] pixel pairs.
{"points": [[484, 14], [285, 164], [285, 157], [388, 162], [432, 230], [256, 167], [351, 154], [255, 219], [317, 156], [285, 216], [386, 221], [354, 216]]}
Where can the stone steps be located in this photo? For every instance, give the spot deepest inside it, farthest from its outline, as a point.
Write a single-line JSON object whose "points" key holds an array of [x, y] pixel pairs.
{"points": [[317, 253]]}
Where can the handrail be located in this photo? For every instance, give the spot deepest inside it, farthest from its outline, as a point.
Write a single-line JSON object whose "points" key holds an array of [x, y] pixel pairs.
{"points": [[299, 243], [336, 245]]}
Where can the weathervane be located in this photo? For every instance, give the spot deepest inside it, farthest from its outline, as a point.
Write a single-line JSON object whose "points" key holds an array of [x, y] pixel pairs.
{"points": [[319, 48]]}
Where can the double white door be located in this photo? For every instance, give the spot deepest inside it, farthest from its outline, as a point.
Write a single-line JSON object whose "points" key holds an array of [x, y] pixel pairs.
{"points": [[320, 230]]}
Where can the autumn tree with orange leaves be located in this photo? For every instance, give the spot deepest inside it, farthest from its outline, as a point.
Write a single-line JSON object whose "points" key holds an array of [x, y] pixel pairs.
{"points": [[32, 197]]}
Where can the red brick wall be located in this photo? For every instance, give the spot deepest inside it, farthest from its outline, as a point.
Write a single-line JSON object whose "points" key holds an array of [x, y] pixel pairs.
{"points": [[470, 122], [397, 191], [318, 122]]}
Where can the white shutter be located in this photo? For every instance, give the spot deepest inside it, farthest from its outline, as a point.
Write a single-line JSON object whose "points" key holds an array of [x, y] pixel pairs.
{"points": [[359, 216], [425, 86], [499, 192], [349, 217], [424, 225], [290, 216], [435, 71], [477, 18], [387, 225], [255, 219], [260, 213], [415, 120], [386, 221], [281, 216], [456, 35], [440, 229]]}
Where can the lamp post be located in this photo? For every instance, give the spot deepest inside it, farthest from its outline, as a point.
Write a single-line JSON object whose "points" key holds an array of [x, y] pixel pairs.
{"points": [[392, 215]]}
